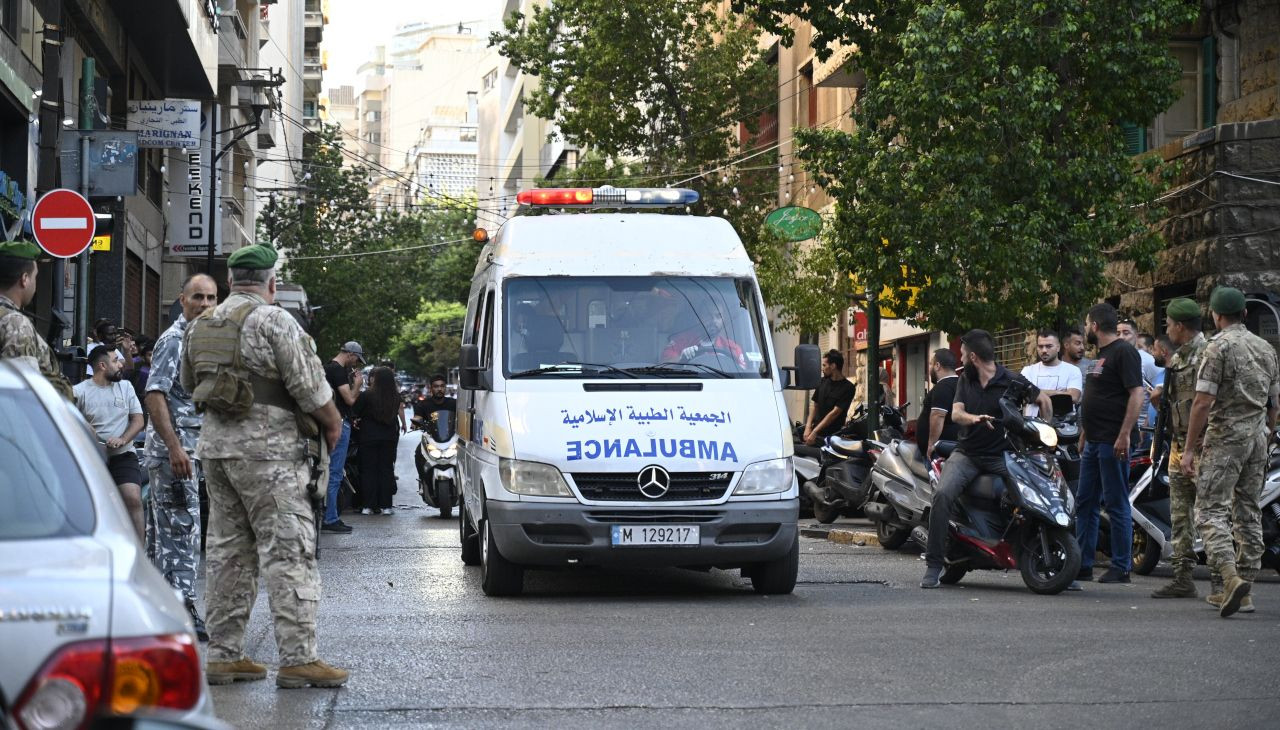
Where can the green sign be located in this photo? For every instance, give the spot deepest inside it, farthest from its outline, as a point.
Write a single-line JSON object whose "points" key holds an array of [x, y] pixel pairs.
{"points": [[794, 223]]}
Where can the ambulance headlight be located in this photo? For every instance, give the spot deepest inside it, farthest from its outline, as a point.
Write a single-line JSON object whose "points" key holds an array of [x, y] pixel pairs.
{"points": [[765, 477], [532, 479]]}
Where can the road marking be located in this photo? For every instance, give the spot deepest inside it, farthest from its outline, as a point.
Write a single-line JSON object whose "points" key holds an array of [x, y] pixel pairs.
{"points": [[54, 224]]}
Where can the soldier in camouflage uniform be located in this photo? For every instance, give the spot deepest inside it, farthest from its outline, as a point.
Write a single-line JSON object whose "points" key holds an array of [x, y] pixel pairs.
{"points": [[173, 527], [1175, 397], [1234, 409], [258, 475], [18, 337]]}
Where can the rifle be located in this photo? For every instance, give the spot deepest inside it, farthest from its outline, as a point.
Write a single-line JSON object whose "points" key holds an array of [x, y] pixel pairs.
{"points": [[1162, 439]]}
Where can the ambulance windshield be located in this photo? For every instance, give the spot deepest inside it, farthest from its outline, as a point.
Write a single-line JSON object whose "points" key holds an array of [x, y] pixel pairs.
{"points": [[643, 326]]}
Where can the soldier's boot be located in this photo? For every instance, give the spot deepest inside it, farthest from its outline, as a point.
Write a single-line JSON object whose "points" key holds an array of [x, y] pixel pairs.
{"points": [[1246, 605], [241, 670], [1182, 586], [315, 674], [1234, 590], [1215, 591], [201, 632]]}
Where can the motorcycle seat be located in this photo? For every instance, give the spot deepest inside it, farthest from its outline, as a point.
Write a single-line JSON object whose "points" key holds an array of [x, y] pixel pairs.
{"points": [[803, 449], [845, 447], [910, 453], [988, 487]]}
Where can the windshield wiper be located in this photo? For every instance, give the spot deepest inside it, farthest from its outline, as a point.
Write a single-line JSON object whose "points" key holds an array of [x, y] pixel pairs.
{"points": [[674, 368], [572, 367]]}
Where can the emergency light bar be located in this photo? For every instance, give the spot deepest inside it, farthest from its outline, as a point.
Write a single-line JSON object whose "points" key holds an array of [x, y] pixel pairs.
{"points": [[607, 197]]}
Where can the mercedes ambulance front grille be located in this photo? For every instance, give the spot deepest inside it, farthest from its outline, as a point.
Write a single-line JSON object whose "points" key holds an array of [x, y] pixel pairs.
{"points": [[624, 486]]}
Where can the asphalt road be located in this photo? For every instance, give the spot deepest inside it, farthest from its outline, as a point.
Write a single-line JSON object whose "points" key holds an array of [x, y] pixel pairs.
{"points": [[857, 644]]}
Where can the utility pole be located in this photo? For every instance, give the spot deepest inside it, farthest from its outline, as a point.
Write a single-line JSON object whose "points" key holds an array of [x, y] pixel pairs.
{"points": [[873, 362], [88, 105], [49, 115]]}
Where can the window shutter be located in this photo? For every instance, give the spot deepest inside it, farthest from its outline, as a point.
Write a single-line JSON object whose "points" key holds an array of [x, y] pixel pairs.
{"points": [[1209, 84], [1135, 138]]}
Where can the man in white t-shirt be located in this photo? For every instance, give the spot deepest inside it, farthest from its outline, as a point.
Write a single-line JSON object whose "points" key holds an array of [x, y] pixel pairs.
{"points": [[110, 405], [1050, 374]]}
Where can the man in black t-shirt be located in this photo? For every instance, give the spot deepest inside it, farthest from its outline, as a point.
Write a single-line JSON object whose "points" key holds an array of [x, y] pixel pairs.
{"points": [[934, 423], [982, 439], [831, 400], [1113, 396], [436, 401], [345, 379]]}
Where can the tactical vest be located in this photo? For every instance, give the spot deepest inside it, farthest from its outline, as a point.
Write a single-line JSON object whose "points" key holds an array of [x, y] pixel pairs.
{"points": [[222, 382]]}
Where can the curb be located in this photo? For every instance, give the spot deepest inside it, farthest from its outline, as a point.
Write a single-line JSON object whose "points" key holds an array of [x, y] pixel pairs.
{"points": [[853, 537]]}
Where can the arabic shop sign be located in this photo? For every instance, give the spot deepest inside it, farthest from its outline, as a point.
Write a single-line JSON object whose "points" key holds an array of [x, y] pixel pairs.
{"points": [[794, 223], [12, 201], [172, 123]]}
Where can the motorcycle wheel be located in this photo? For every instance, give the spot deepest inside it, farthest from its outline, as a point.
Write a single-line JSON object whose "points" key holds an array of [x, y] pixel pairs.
{"points": [[825, 515], [1050, 574], [469, 538], [1146, 552], [952, 575], [890, 537]]}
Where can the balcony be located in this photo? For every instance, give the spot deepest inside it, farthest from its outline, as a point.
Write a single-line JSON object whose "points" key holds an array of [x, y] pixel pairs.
{"points": [[312, 74]]}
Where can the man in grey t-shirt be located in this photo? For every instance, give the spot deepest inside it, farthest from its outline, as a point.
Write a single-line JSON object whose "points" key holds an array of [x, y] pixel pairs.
{"points": [[111, 407]]}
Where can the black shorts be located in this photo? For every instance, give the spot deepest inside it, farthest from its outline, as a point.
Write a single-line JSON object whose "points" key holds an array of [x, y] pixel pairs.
{"points": [[124, 468]]}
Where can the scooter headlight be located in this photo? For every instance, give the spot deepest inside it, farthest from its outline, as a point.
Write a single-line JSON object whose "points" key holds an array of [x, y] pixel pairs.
{"points": [[1046, 433], [450, 452], [1032, 497], [433, 452]]}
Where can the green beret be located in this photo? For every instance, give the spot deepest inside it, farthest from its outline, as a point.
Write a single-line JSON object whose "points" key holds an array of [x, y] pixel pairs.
{"points": [[1182, 309], [1227, 300], [20, 249], [257, 256]]}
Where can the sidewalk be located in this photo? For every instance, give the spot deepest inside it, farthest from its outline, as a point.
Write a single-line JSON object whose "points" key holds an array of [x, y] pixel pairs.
{"points": [[846, 531]]}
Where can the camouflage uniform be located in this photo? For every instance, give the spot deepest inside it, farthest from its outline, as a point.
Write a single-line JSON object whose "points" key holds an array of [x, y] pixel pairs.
{"points": [[18, 339], [1180, 390], [256, 472], [173, 527], [1239, 369]]}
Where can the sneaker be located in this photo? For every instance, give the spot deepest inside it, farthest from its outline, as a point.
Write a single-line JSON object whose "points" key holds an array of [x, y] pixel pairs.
{"points": [[388, 511], [1114, 576], [366, 511], [339, 527], [931, 577], [315, 674], [1085, 574], [241, 670]]}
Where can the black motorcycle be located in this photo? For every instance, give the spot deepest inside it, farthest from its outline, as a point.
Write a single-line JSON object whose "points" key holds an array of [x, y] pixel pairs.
{"points": [[845, 460]]}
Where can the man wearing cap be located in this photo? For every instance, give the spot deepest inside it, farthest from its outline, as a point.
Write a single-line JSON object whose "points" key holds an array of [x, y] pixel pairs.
{"points": [[1231, 417], [1179, 390], [18, 338], [258, 468], [345, 378]]}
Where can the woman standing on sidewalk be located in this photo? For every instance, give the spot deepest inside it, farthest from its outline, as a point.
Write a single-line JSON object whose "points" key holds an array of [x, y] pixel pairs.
{"points": [[378, 409]]}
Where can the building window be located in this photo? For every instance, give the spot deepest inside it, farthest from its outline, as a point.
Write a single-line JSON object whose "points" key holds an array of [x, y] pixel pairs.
{"points": [[467, 134], [1196, 107], [490, 81], [9, 17], [1165, 294]]}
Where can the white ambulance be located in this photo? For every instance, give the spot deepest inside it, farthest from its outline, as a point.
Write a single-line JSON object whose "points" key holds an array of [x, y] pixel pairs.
{"points": [[620, 402]]}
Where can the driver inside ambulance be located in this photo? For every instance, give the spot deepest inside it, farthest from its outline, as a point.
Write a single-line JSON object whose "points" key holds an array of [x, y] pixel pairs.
{"points": [[704, 338]]}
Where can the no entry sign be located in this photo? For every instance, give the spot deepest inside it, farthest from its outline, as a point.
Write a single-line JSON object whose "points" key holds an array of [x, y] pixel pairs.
{"points": [[63, 223]]}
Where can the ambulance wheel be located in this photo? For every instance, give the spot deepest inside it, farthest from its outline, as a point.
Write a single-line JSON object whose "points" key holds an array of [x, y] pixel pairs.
{"points": [[469, 538], [777, 577], [499, 576]]}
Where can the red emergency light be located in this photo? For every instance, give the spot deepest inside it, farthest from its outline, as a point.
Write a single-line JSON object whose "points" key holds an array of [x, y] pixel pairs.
{"points": [[555, 196]]}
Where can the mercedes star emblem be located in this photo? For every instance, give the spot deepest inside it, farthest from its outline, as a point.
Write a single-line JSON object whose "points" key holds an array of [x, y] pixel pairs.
{"points": [[654, 481]]}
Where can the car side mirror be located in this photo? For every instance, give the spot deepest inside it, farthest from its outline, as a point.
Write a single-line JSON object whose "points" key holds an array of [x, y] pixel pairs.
{"points": [[471, 374], [807, 371]]}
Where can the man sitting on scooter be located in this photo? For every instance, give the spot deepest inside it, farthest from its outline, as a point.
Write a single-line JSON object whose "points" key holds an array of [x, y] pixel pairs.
{"points": [[982, 438]]}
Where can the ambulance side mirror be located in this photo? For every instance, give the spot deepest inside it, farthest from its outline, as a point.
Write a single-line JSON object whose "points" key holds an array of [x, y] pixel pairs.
{"points": [[471, 374], [807, 372]]}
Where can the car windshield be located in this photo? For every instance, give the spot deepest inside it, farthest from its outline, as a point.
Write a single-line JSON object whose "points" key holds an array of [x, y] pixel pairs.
{"points": [[627, 327], [42, 492]]}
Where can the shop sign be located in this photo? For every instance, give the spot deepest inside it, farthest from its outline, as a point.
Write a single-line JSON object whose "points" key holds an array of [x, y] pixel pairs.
{"points": [[169, 123], [188, 207], [794, 223], [101, 243]]}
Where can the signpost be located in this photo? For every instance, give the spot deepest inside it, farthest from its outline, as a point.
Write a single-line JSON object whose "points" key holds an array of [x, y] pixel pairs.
{"points": [[63, 223]]}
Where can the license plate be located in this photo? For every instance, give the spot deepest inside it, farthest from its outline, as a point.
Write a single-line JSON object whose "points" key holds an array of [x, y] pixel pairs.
{"points": [[655, 535]]}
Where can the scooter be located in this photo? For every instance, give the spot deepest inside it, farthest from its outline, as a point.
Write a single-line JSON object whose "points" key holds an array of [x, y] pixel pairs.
{"points": [[845, 460], [437, 460], [1024, 523]]}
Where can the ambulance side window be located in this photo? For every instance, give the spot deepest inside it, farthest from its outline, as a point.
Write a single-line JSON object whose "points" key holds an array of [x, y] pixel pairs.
{"points": [[485, 333]]}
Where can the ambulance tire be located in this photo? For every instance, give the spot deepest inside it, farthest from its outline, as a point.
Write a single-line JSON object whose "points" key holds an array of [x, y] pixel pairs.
{"points": [[499, 576], [777, 577], [469, 538]]}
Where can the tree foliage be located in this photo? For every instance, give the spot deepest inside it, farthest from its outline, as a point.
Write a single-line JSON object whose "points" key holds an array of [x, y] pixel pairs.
{"points": [[987, 164], [430, 342], [366, 297], [656, 94]]}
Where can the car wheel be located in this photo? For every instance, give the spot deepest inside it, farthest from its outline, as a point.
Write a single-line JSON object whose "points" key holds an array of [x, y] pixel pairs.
{"points": [[500, 577], [778, 577], [469, 538]]}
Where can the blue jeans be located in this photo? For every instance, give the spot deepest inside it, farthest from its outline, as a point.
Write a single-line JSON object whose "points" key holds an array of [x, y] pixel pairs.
{"points": [[337, 461], [1103, 477]]}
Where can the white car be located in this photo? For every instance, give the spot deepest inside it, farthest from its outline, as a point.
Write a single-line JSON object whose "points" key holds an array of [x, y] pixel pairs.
{"points": [[88, 627]]}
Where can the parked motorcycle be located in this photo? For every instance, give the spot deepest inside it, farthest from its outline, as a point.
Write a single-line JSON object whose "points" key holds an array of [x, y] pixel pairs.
{"points": [[845, 459], [1026, 524], [437, 461]]}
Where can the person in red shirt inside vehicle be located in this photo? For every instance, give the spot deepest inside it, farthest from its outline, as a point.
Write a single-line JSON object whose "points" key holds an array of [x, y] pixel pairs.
{"points": [[702, 339]]}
